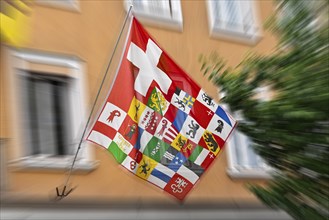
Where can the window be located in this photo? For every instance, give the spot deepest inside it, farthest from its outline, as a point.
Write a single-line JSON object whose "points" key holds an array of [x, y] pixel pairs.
{"points": [[243, 161], [45, 118], [233, 20], [167, 13], [49, 112], [3, 164]]}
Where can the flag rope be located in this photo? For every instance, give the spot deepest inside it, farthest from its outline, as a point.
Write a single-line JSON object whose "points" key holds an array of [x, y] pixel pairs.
{"points": [[63, 194]]}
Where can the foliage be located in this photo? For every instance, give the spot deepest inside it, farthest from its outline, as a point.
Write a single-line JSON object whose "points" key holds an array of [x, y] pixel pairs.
{"points": [[291, 130]]}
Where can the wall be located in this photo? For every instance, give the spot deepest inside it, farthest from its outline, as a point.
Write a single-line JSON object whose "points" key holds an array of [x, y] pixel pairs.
{"points": [[91, 35]]}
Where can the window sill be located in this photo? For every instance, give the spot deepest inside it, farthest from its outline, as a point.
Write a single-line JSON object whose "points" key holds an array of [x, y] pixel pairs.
{"points": [[50, 163], [71, 5], [249, 174], [158, 22], [236, 37]]}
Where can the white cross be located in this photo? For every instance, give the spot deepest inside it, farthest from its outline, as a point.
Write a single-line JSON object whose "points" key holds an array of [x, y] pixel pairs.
{"points": [[148, 71], [209, 112]]}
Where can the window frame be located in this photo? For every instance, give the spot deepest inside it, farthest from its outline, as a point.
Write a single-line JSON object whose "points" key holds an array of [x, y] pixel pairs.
{"points": [[237, 172], [219, 32], [24, 60], [234, 171], [175, 22]]}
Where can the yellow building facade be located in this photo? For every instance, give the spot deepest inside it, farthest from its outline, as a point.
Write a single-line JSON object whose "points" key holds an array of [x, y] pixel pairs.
{"points": [[74, 42]]}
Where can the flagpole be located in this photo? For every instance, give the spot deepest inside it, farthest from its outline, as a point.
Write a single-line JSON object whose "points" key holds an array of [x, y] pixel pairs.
{"points": [[64, 193]]}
